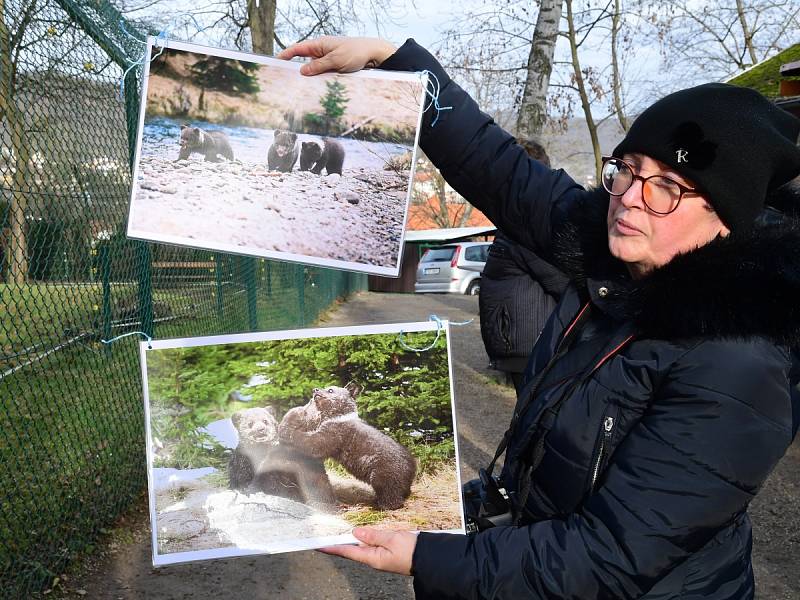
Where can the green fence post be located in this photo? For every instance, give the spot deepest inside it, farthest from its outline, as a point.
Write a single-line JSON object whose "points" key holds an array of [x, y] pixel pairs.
{"points": [[218, 274], [252, 292], [131, 83], [145, 288], [301, 294], [269, 279], [105, 274]]}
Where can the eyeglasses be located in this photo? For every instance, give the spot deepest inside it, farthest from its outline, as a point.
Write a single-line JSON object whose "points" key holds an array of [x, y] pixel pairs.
{"points": [[660, 194]]}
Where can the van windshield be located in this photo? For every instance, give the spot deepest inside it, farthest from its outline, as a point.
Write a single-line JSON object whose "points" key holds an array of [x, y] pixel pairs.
{"points": [[435, 254]]}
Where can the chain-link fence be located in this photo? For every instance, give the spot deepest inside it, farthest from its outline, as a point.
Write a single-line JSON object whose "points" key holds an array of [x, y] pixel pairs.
{"points": [[72, 437]]}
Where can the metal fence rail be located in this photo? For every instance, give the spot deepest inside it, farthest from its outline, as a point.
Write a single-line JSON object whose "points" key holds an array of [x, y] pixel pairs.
{"points": [[71, 415]]}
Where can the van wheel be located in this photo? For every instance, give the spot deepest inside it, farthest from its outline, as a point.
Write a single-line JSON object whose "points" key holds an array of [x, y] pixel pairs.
{"points": [[474, 288]]}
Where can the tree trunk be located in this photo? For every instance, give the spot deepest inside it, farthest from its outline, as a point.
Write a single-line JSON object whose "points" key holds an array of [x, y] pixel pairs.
{"points": [[533, 108], [16, 250], [442, 217], [261, 19], [748, 36], [616, 81], [462, 222], [581, 85]]}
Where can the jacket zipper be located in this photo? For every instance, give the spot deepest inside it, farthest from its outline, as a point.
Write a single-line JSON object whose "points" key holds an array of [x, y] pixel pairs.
{"points": [[608, 427]]}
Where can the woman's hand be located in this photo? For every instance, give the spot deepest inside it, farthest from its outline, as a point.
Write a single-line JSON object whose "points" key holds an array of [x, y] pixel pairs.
{"points": [[342, 54], [383, 550]]}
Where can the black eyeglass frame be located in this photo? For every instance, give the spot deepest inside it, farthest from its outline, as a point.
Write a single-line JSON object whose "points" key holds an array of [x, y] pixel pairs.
{"points": [[635, 176]]}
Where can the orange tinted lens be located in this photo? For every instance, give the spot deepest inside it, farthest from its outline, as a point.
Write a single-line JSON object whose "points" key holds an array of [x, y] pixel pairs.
{"points": [[661, 194]]}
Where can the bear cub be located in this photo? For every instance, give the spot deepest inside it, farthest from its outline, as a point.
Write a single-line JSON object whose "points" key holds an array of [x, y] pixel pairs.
{"points": [[329, 156], [329, 427], [282, 154], [212, 144], [261, 464]]}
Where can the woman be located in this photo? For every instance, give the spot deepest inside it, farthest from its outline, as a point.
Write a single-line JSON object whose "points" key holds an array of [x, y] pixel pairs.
{"points": [[658, 395]]}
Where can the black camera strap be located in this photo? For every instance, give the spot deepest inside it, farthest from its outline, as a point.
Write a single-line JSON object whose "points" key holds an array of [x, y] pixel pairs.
{"points": [[563, 345], [546, 420]]}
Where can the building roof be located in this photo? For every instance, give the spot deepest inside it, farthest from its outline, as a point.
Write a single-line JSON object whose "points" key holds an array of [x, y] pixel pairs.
{"points": [[452, 234], [765, 76]]}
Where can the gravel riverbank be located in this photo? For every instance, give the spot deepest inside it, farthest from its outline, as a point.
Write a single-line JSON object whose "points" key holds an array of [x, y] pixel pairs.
{"points": [[356, 217]]}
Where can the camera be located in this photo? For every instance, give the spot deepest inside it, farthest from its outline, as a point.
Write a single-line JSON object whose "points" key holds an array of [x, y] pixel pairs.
{"points": [[486, 503]]}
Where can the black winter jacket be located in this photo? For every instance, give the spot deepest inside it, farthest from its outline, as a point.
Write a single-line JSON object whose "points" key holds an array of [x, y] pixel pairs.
{"points": [[519, 291], [652, 459]]}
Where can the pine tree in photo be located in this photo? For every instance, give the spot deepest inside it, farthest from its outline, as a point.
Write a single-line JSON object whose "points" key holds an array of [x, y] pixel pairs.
{"points": [[333, 104], [226, 75]]}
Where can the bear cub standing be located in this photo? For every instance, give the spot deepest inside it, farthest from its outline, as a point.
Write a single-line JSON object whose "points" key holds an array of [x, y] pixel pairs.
{"points": [[329, 427]]}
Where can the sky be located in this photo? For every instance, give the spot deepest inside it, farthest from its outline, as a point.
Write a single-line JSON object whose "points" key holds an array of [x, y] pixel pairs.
{"points": [[421, 19], [420, 22]]}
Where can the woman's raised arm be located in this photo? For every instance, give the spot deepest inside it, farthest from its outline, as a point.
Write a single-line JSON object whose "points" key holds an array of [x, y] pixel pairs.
{"points": [[478, 158]]}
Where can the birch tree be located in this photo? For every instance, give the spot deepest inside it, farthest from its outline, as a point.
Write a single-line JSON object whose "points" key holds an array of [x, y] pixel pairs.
{"points": [[533, 105], [261, 22]]}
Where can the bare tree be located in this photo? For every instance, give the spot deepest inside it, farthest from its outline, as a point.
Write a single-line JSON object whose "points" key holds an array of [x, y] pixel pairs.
{"points": [[717, 39], [600, 96], [487, 49], [616, 78], [260, 25], [261, 21], [500, 51], [435, 201], [11, 43], [533, 106]]}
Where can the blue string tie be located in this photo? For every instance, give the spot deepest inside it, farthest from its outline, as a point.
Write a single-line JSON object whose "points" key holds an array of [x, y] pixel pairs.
{"points": [[161, 43], [433, 88], [161, 40], [439, 327], [119, 337]]}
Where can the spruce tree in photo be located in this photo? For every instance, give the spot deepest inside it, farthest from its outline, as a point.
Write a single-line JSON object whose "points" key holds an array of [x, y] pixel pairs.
{"points": [[333, 105], [226, 75]]}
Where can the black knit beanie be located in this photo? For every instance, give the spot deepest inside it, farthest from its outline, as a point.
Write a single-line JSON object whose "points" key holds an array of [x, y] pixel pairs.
{"points": [[733, 143]]}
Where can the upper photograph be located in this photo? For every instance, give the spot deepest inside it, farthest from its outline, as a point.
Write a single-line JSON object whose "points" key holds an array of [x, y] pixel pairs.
{"points": [[241, 153]]}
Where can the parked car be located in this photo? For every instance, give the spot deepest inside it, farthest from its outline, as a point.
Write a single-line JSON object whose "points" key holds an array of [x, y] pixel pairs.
{"points": [[452, 268]]}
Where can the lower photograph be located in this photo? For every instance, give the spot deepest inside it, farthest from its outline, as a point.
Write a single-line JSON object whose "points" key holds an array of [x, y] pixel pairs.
{"points": [[280, 441]]}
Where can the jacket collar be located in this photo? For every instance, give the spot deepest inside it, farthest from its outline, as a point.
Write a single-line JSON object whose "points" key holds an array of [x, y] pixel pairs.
{"points": [[747, 284]]}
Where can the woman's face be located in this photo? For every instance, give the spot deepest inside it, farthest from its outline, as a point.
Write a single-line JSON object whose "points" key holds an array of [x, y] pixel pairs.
{"points": [[645, 240]]}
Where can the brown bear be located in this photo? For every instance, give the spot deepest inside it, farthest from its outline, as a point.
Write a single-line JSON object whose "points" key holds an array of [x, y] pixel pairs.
{"points": [[329, 156], [282, 154], [261, 464], [211, 144], [329, 427]]}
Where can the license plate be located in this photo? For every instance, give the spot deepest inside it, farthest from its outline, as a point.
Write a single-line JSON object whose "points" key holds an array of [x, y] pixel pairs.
{"points": [[432, 271]]}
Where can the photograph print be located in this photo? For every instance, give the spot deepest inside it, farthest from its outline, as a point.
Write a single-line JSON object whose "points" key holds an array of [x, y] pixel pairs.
{"points": [[241, 153], [281, 441]]}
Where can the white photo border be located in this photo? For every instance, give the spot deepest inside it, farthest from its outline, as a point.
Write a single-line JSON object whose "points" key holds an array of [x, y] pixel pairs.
{"points": [[133, 233], [161, 559]]}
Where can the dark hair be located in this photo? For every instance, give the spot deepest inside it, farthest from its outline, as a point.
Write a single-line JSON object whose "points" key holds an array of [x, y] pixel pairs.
{"points": [[535, 150]]}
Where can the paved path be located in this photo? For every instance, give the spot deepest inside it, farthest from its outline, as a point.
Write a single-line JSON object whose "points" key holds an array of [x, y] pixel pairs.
{"points": [[123, 570]]}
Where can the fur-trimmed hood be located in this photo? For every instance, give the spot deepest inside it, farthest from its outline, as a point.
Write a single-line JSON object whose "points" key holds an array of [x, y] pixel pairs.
{"points": [[743, 285]]}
